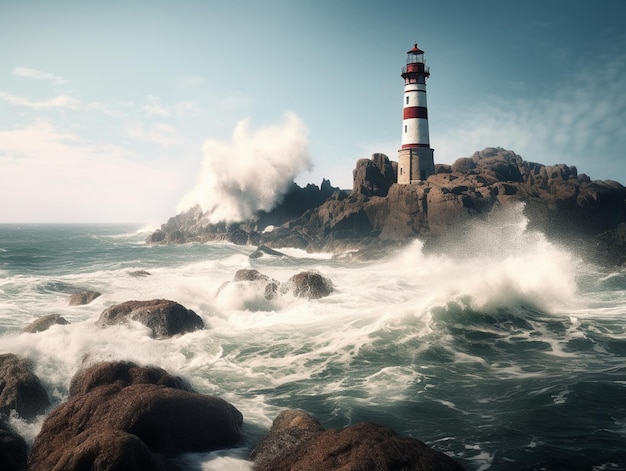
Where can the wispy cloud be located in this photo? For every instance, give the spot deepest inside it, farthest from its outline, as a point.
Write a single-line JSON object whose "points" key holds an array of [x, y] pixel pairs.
{"points": [[162, 134], [583, 119], [38, 75], [156, 107], [60, 101], [187, 109]]}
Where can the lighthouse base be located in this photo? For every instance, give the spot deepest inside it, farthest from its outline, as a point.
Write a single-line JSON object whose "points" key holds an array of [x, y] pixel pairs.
{"points": [[415, 164]]}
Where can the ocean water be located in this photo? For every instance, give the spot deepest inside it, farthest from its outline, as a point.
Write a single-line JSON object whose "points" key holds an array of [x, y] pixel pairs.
{"points": [[505, 352]]}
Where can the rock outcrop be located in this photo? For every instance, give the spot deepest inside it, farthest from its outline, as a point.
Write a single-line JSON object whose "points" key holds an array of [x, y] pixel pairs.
{"points": [[298, 441], [121, 416], [20, 388], [558, 201], [44, 323], [165, 318]]}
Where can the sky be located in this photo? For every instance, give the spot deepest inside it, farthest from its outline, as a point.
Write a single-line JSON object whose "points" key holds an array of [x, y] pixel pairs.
{"points": [[130, 111]]}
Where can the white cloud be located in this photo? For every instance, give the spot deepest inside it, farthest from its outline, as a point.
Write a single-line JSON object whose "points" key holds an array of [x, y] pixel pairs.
{"points": [[49, 175], [156, 107], [61, 101], [187, 109], [162, 134], [37, 74]]}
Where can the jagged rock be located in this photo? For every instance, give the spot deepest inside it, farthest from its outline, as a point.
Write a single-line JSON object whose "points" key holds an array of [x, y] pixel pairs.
{"points": [[44, 323], [373, 177], [297, 441], [165, 318], [559, 201], [13, 449], [309, 285], [20, 388], [84, 297], [118, 423]]}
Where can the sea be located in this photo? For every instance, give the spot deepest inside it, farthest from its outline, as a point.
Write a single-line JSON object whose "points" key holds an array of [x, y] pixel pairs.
{"points": [[504, 350]]}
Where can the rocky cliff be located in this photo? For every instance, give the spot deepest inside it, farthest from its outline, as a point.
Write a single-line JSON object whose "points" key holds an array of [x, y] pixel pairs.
{"points": [[590, 215]]}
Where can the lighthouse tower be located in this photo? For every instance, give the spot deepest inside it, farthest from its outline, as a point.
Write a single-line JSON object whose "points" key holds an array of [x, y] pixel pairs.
{"points": [[415, 158]]}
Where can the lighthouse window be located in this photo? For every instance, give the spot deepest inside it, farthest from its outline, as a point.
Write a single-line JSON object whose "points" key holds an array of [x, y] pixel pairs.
{"points": [[407, 100], [405, 128]]}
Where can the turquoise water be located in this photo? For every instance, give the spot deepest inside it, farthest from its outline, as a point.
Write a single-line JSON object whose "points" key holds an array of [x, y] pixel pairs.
{"points": [[507, 352]]}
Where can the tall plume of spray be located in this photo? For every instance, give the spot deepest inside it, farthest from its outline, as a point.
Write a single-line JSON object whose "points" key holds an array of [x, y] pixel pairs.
{"points": [[251, 172]]}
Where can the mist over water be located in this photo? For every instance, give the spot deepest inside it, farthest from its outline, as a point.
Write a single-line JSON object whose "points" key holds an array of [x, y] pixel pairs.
{"points": [[506, 351], [251, 172]]}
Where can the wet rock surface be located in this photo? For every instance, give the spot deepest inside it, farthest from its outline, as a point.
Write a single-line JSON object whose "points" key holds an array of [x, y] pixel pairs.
{"points": [[297, 441], [123, 416], [165, 318]]}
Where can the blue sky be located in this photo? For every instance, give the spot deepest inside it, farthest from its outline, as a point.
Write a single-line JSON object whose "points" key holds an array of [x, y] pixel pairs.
{"points": [[108, 109]]}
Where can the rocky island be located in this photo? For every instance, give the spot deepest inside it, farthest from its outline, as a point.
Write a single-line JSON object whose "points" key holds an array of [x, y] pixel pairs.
{"points": [[588, 215]]}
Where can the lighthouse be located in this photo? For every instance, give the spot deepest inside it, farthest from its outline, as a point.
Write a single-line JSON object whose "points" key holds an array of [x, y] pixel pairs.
{"points": [[415, 157]]}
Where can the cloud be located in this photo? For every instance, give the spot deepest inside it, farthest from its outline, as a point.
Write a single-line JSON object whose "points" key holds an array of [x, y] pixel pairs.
{"points": [[580, 124], [156, 107], [162, 134], [61, 101], [250, 172], [234, 102], [187, 109], [49, 175], [37, 74]]}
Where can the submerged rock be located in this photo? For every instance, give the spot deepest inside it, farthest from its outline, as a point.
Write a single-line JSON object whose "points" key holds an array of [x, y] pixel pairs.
{"points": [[84, 297], [263, 250], [165, 318], [121, 416], [44, 323], [20, 388], [251, 277], [297, 441]]}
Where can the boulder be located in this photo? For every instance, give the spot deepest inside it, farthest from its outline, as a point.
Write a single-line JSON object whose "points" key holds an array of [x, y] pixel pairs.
{"points": [[298, 442], [309, 285], [44, 323], [20, 389], [84, 297], [119, 421], [122, 373], [13, 449], [165, 318]]}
